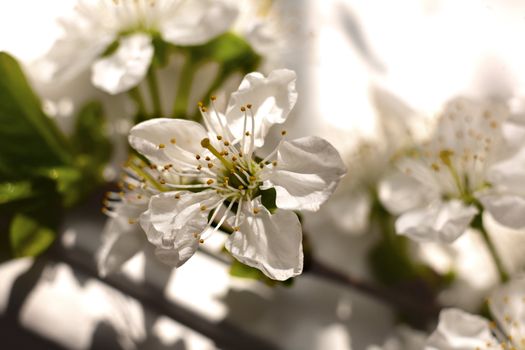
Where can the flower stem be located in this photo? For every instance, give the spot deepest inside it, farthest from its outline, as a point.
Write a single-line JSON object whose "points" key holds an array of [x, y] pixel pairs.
{"points": [[180, 105], [136, 96], [418, 312], [477, 223], [154, 91]]}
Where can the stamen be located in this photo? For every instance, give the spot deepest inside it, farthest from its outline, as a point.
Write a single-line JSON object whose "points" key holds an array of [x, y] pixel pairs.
{"points": [[207, 144]]}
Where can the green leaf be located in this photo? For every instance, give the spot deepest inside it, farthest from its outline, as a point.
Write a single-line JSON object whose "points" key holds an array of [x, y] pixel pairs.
{"points": [[238, 269], [35, 218], [28, 138], [29, 237]]}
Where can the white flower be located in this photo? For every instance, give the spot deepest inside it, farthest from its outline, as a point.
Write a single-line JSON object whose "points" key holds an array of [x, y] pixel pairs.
{"points": [[405, 338], [122, 236], [229, 181], [397, 123], [133, 24], [458, 330], [467, 165]]}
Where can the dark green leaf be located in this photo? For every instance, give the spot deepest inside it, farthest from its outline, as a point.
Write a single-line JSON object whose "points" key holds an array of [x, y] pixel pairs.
{"points": [[28, 138]]}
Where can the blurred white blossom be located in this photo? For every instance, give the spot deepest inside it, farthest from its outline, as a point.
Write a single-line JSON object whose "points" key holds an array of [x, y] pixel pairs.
{"points": [[458, 330], [96, 26], [467, 164]]}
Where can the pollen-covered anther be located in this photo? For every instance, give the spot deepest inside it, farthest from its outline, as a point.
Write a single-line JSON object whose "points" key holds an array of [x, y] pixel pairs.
{"points": [[203, 208], [168, 166], [226, 143], [283, 133], [274, 163], [234, 158], [236, 228], [256, 211], [201, 241], [197, 156], [247, 133], [243, 109], [219, 137], [162, 181], [207, 158], [199, 167], [210, 165], [213, 98], [241, 187], [209, 182], [131, 221], [161, 146], [249, 106], [177, 196], [253, 178], [173, 141]]}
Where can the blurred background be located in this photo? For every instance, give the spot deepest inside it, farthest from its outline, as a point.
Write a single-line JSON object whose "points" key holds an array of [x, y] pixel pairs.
{"points": [[423, 51]]}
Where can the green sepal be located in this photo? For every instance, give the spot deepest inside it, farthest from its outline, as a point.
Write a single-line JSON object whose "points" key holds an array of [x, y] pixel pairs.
{"points": [[240, 270]]}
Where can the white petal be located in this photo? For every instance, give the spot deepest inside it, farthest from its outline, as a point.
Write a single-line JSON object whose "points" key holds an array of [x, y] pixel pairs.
{"points": [[508, 308], [349, 210], [439, 222], [147, 137], [120, 241], [400, 193], [508, 210], [196, 22], [270, 243], [271, 98], [126, 67], [177, 256], [307, 173], [458, 330], [169, 218]]}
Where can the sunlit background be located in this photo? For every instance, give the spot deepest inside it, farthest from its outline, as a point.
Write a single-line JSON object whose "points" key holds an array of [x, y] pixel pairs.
{"points": [[423, 51]]}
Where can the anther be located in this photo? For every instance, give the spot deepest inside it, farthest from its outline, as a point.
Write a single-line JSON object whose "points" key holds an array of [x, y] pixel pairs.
{"points": [[274, 163], [213, 98], [197, 156], [219, 137], [173, 141], [177, 196], [283, 133], [226, 143], [247, 133], [131, 221], [249, 105], [162, 181], [243, 109], [203, 208], [162, 145], [207, 158], [201, 241], [256, 211], [199, 167], [209, 182], [210, 165]]}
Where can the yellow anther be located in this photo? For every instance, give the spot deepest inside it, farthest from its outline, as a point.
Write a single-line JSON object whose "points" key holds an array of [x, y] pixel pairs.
{"points": [[249, 105], [283, 133], [226, 143], [213, 98], [173, 140], [199, 167], [203, 208], [253, 178], [162, 145], [435, 167], [197, 156], [274, 163], [243, 109], [247, 133], [201, 241], [256, 211], [162, 181], [241, 187], [234, 158], [207, 158], [131, 221], [209, 182], [219, 137], [210, 165], [177, 196]]}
